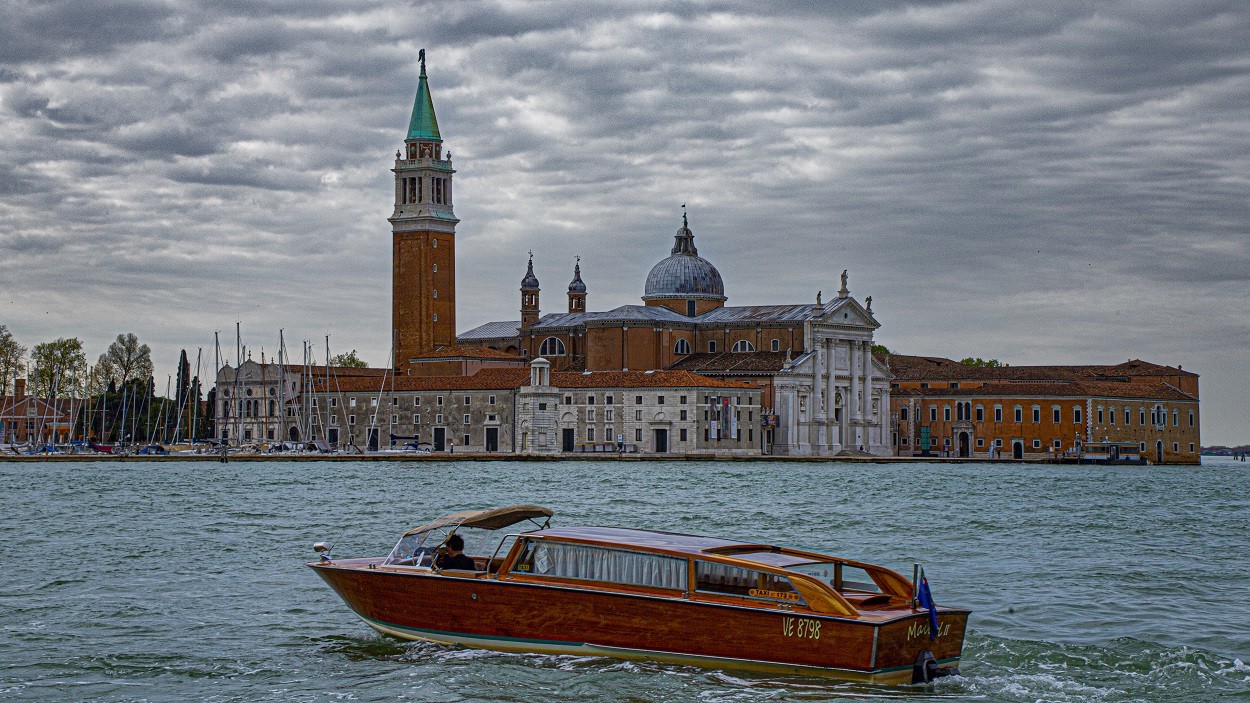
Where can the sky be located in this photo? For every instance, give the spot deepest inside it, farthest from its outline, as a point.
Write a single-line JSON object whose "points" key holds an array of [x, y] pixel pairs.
{"points": [[1038, 182]]}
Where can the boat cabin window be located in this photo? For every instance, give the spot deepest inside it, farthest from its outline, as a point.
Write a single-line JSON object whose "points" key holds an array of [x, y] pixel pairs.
{"points": [[711, 577], [843, 577], [578, 561]]}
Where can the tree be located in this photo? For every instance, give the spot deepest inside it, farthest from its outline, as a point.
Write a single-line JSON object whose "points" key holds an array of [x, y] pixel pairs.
{"points": [[126, 359], [880, 350], [350, 360], [983, 363], [60, 367], [11, 356]]}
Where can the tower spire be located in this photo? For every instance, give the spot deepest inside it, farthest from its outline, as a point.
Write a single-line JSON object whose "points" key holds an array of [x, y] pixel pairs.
{"points": [[423, 126]]}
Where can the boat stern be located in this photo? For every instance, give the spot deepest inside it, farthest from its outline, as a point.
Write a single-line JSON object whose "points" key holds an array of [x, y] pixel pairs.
{"points": [[908, 650]]}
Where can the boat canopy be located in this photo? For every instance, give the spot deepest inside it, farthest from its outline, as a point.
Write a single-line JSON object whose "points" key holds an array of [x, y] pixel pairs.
{"points": [[489, 519]]}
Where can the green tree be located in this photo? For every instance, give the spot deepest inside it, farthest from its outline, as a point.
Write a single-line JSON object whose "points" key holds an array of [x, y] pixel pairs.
{"points": [[11, 356], [350, 360], [880, 350], [60, 367], [126, 359], [983, 363]]}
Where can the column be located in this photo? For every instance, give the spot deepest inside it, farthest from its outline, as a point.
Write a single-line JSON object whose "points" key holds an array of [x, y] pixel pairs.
{"points": [[850, 405], [867, 359], [818, 413], [792, 425], [831, 394]]}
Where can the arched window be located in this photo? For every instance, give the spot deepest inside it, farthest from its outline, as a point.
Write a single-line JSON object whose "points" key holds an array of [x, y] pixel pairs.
{"points": [[682, 347], [743, 345], [552, 346]]}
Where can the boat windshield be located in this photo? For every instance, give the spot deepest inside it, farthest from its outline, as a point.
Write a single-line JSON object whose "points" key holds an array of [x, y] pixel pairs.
{"points": [[480, 529], [843, 577]]}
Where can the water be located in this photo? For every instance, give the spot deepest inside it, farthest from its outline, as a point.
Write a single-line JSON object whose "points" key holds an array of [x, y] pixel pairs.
{"points": [[185, 581]]}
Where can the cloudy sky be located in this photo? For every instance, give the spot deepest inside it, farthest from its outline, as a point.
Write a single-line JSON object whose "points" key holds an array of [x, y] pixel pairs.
{"points": [[1039, 182]]}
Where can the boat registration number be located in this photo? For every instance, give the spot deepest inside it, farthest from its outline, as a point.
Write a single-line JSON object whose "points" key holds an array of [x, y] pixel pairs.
{"points": [[801, 628]]}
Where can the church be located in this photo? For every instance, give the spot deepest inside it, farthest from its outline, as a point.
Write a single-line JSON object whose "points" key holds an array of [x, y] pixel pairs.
{"points": [[822, 390]]}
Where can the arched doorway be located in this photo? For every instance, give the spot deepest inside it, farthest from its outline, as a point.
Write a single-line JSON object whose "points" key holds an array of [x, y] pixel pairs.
{"points": [[964, 445], [1017, 450], [293, 434], [1159, 452]]}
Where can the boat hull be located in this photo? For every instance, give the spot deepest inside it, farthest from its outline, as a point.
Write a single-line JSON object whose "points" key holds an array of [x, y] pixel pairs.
{"points": [[516, 616]]}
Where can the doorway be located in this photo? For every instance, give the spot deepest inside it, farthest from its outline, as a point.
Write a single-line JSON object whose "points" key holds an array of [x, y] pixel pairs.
{"points": [[661, 441], [1017, 450], [293, 434], [568, 439], [964, 445], [372, 442], [1159, 452], [440, 439], [492, 439]]}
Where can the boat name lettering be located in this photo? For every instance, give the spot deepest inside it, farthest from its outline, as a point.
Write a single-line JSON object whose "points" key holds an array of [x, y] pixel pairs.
{"points": [[778, 595], [918, 629], [801, 628]]}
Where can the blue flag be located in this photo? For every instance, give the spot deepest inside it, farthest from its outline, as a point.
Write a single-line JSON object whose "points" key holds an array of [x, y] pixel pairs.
{"points": [[925, 599]]}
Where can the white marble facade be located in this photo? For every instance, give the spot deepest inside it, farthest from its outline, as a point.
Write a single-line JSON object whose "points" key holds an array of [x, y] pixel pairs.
{"points": [[835, 396]]}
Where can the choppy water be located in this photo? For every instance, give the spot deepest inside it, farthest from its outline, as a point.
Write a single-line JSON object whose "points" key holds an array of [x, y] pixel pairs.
{"points": [[181, 581]]}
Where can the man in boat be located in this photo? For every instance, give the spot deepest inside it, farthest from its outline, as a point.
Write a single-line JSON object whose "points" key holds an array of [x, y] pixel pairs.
{"points": [[452, 555]]}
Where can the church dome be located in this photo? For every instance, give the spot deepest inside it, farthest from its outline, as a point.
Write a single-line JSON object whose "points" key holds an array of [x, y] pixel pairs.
{"points": [[684, 274], [530, 282]]}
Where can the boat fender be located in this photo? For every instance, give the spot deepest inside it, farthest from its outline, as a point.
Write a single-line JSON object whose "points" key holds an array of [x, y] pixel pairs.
{"points": [[926, 669]]}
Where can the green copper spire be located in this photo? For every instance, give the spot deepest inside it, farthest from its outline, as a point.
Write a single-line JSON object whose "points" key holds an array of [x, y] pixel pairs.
{"points": [[424, 125]]}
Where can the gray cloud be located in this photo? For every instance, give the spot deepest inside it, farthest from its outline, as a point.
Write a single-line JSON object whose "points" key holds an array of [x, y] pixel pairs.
{"points": [[1040, 182]]}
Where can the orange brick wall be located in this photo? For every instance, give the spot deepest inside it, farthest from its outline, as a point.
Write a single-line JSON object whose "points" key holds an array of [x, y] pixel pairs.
{"points": [[414, 281]]}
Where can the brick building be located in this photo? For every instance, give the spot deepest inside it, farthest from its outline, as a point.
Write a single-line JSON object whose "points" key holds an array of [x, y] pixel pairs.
{"points": [[25, 418], [944, 408]]}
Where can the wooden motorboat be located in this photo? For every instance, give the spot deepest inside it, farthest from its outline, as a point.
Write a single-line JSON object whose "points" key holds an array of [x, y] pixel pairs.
{"points": [[645, 594]]}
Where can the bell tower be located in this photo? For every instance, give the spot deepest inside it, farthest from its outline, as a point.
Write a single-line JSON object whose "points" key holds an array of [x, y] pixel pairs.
{"points": [[529, 296], [577, 289], [423, 228]]}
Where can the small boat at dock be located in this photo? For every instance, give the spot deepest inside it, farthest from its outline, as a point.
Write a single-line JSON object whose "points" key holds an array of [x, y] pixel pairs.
{"points": [[651, 595]]}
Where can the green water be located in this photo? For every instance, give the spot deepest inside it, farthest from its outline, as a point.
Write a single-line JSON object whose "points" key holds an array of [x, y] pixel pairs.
{"points": [[185, 581]]}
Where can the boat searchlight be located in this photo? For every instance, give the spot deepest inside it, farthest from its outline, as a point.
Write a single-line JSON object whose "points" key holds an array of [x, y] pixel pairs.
{"points": [[322, 548]]}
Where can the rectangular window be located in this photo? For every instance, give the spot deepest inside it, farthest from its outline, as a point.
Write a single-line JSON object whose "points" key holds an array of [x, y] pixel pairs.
{"points": [[1037, 444], [590, 400], [438, 419], [1176, 446], [1191, 421], [683, 434], [683, 414], [1176, 418], [637, 400], [584, 562], [590, 434], [416, 419], [466, 418], [1018, 414], [998, 413], [681, 400], [373, 402], [659, 400], [351, 419], [902, 413], [946, 413], [638, 416], [1191, 447], [416, 401], [1141, 418], [465, 441], [607, 415], [334, 402], [590, 414], [1100, 414], [1055, 414], [711, 346], [438, 400], [394, 419], [394, 400], [932, 413], [608, 400], [725, 579], [980, 441], [1076, 414], [638, 435], [568, 400], [490, 399], [1037, 414], [980, 413], [351, 402], [468, 400]]}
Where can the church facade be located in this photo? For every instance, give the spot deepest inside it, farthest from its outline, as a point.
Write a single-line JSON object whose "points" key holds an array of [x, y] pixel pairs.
{"points": [[822, 391]]}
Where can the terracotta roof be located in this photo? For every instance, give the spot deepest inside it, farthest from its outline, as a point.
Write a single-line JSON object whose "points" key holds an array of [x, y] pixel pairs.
{"points": [[1059, 389], [339, 371], [462, 351], [504, 379], [934, 368]]}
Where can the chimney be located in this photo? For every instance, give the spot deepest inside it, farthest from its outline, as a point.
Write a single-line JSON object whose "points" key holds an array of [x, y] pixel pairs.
{"points": [[19, 388]]}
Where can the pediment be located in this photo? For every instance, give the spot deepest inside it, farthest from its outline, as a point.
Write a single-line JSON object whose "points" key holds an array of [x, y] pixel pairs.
{"points": [[847, 312]]}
